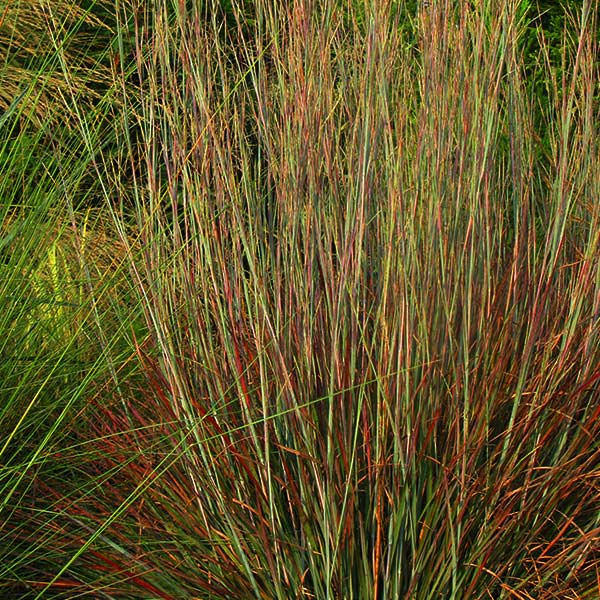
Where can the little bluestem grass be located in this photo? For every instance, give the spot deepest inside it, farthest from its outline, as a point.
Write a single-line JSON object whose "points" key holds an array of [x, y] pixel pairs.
{"points": [[369, 286]]}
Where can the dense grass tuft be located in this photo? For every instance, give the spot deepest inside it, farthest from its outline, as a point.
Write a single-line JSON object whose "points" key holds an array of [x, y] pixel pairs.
{"points": [[341, 321]]}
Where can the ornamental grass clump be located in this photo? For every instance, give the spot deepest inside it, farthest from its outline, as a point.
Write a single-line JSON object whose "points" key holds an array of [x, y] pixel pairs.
{"points": [[369, 282]]}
